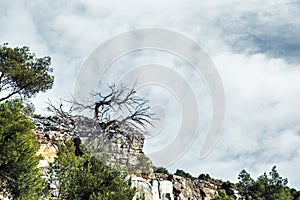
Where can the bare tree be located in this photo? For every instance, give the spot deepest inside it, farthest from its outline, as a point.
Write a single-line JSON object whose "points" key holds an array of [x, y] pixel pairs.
{"points": [[120, 107], [117, 114], [64, 118]]}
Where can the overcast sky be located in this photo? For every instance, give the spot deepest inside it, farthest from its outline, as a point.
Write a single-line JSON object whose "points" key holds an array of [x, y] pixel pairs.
{"points": [[255, 45]]}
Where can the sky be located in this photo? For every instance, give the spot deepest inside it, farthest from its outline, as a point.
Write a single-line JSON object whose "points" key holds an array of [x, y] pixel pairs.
{"points": [[254, 45]]}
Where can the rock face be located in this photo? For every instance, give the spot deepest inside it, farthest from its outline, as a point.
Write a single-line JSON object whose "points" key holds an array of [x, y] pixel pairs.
{"points": [[172, 187], [121, 148], [157, 187], [49, 135]]}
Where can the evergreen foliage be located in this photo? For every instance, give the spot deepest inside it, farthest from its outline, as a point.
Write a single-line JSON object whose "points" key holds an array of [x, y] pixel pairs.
{"points": [[85, 177], [205, 177], [162, 170], [245, 184], [19, 176], [228, 187], [21, 73], [266, 187], [184, 174], [223, 196]]}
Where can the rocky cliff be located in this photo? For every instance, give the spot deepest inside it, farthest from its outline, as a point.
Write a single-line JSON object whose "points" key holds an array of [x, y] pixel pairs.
{"points": [[122, 149], [118, 148], [171, 187]]}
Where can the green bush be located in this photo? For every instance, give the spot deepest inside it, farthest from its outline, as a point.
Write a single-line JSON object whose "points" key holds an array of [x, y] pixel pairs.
{"points": [[184, 174], [205, 177], [82, 178], [161, 170], [223, 196]]}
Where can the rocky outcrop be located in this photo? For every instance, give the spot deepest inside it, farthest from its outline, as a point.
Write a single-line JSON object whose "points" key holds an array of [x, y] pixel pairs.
{"points": [[156, 187], [118, 147], [121, 148], [49, 135], [172, 187]]}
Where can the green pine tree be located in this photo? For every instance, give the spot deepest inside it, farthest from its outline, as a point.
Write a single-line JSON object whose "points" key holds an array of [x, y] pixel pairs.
{"points": [[19, 176], [266, 187], [272, 187], [245, 185], [22, 74]]}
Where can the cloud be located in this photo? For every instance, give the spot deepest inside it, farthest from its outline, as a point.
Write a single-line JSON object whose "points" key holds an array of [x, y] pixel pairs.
{"points": [[261, 127], [270, 28]]}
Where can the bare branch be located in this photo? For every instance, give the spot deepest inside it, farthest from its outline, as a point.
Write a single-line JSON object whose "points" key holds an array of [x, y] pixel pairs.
{"points": [[121, 105], [119, 110], [64, 117]]}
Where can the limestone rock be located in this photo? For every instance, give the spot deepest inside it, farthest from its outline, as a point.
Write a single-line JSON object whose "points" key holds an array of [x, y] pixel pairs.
{"points": [[121, 148]]}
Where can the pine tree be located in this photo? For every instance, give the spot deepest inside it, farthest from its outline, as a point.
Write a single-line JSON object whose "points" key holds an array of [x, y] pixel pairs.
{"points": [[19, 176], [22, 74], [266, 187]]}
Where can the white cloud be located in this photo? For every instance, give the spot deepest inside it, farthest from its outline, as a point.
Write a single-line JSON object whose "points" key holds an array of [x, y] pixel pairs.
{"points": [[261, 128]]}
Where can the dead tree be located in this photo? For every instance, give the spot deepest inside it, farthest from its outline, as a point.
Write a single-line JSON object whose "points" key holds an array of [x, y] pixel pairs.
{"points": [[64, 118], [121, 111], [121, 107]]}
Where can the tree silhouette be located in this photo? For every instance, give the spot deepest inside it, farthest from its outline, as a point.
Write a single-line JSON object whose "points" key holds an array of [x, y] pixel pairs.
{"points": [[121, 107]]}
